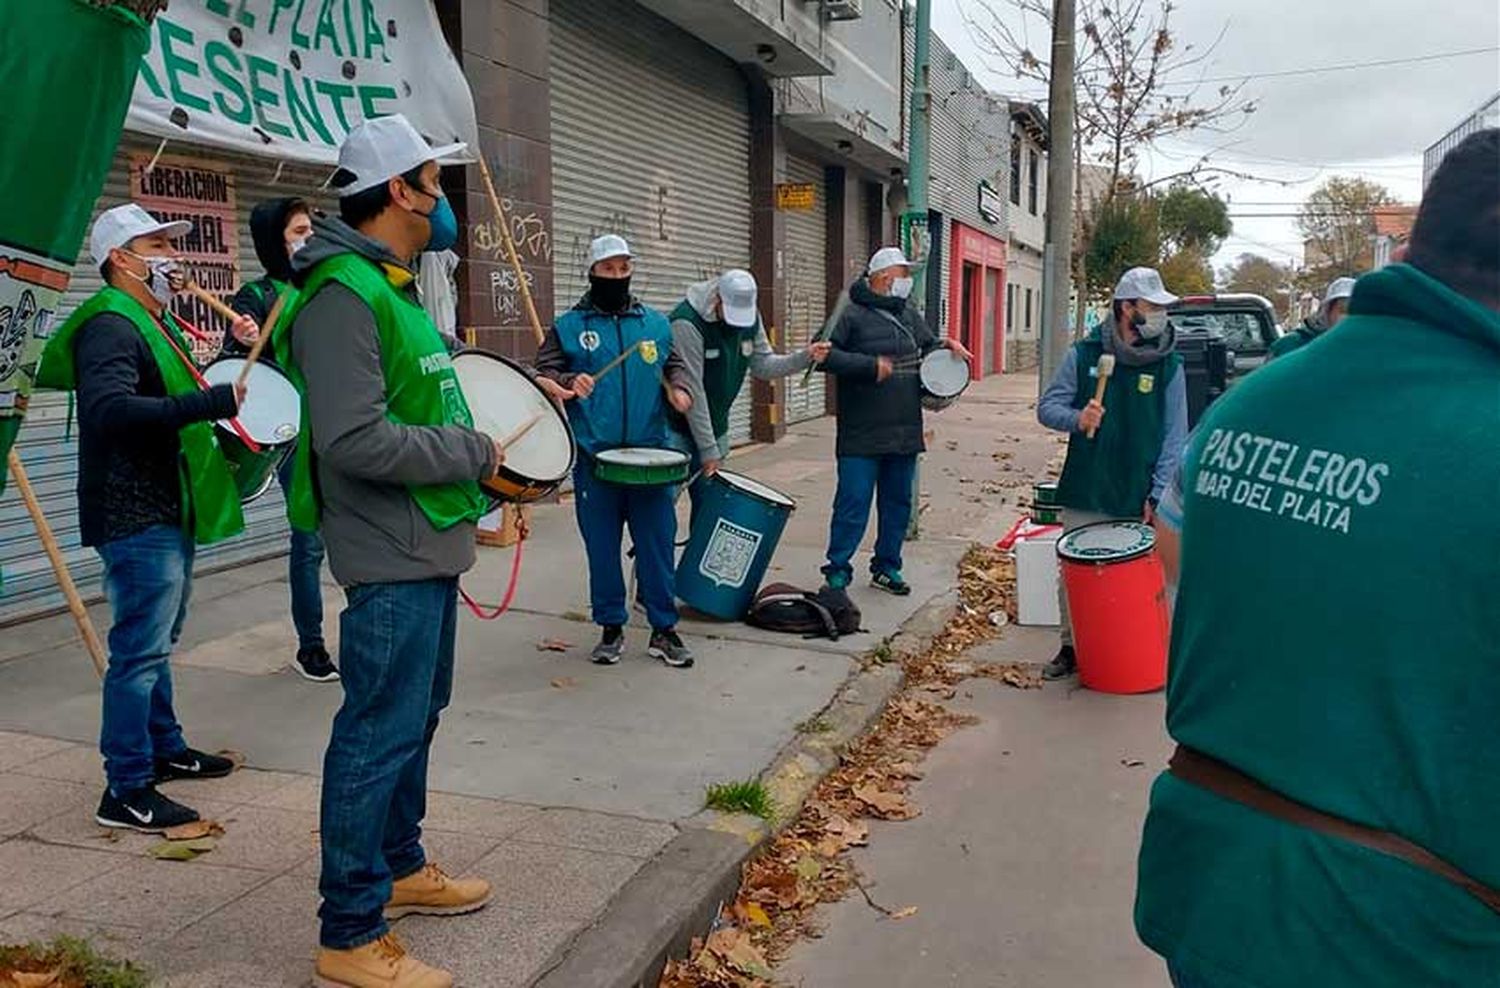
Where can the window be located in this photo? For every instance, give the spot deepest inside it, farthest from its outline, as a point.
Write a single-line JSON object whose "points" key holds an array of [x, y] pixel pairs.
{"points": [[1015, 169], [1028, 310], [1010, 307], [1034, 162]]}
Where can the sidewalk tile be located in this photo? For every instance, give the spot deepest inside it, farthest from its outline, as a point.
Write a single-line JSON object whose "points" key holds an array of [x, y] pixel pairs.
{"points": [[304, 794], [25, 802], [22, 749], [76, 763], [553, 882], [494, 948], [248, 785], [265, 840], [117, 942], [597, 832], [471, 815], [266, 938], [159, 896], [79, 829], [37, 874]]}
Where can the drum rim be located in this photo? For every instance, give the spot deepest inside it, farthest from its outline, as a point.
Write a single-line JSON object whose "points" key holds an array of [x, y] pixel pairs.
{"points": [[1124, 557], [562, 416], [254, 369], [679, 458], [957, 360], [724, 475]]}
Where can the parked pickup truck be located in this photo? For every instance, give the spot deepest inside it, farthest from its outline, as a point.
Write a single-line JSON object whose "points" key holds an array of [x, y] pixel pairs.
{"points": [[1221, 338]]}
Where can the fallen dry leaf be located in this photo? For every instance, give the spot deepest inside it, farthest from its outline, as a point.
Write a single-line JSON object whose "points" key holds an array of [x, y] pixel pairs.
{"points": [[564, 683], [195, 830], [34, 979], [1132, 762], [553, 645], [734, 948], [238, 757], [909, 911], [170, 850]]}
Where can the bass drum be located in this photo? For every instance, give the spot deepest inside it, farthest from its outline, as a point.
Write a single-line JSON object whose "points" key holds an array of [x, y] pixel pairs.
{"points": [[503, 396]]}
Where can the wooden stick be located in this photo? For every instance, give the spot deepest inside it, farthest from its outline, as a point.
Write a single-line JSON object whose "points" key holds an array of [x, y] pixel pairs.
{"points": [[59, 565], [521, 430], [510, 250], [212, 301], [262, 339], [1105, 368], [617, 361]]}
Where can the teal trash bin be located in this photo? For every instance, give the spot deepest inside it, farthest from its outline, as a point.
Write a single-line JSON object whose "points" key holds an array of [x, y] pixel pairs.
{"points": [[739, 524]]}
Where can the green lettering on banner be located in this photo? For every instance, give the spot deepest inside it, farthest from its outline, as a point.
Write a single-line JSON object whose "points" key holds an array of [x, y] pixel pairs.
{"points": [[326, 28], [369, 94], [214, 54], [174, 63], [298, 110], [149, 78], [299, 37], [349, 31], [338, 92], [277, 6], [244, 16], [263, 97], [220, 7], [374, 36]]}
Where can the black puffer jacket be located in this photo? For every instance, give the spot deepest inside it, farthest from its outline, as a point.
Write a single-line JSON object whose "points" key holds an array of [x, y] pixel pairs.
{"points": [[877, 418]]}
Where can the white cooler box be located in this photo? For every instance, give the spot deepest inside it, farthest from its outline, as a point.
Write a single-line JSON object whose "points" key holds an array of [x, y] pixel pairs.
{"points": [[1036, 578]]}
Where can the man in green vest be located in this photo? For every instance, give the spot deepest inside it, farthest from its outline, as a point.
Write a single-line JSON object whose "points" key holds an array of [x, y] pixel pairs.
{"points": [[1335, 305], [152, 485], [388, 463], [718, 332], [1329, 818], [1122, 451]]}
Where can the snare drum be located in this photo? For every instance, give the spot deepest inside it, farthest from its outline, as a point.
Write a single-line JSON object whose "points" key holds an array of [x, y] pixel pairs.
{"points": [[271, 416], [502, 396], [945, 376], [637, 466]]}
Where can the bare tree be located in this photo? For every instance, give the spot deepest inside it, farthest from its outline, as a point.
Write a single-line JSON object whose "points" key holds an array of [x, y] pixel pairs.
{"points": [[1337, 220]]}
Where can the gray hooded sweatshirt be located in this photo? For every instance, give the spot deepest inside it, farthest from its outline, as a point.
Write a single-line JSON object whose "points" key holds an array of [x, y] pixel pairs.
{"points": [[364, 462]]}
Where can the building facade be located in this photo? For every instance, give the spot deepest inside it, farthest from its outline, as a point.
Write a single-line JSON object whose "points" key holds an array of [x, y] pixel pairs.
{"points": [[1026, 187]]}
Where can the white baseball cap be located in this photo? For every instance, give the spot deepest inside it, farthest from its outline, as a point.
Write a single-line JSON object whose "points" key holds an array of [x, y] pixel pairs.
{"points": [[119, 226], [1138, 283], [607, 246], [737, 294], [888, 257], [378, 150], [1337, 289]]}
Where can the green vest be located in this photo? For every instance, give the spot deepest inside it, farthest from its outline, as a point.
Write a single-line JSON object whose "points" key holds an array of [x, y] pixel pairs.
{"points": [[1111, 473], [1296, 339], [210, 500], [421, 388], [1338, 641], [726, 359]]}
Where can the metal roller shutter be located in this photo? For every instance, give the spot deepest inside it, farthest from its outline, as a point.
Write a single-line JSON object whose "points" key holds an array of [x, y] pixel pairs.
{"points": [[650, 140], [805, 279], [51, 460]]}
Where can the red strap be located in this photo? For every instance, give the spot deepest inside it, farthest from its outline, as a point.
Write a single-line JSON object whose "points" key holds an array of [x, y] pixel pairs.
{"points": [[203, 385], [488, 612]]}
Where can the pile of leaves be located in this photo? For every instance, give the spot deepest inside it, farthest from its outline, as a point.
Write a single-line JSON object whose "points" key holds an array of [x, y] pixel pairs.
{"points": [[808, 863], [65, 963]]}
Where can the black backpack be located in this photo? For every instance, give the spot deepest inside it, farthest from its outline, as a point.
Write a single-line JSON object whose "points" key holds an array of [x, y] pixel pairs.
{"points": [[828, 613]]}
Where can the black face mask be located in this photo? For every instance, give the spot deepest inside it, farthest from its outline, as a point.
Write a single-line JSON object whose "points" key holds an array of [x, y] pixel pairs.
{"points": [[609, 294]]}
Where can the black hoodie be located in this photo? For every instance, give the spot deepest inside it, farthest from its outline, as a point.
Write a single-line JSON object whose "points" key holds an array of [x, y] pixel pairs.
{"points": [[255, 298]]}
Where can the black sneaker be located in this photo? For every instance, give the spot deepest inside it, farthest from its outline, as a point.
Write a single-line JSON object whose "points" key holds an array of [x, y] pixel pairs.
{"points": [[610, 648], [313, 663], [891, 583], [193, 764], [665, 645], [1063, 664], [145, 810]]}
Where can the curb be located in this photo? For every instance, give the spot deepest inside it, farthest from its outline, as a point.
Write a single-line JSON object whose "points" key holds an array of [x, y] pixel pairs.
{"points": [[678, 894]]}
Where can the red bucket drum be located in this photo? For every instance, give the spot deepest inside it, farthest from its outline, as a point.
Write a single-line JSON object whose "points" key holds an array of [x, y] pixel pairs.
{"points": [[1117, 598]]}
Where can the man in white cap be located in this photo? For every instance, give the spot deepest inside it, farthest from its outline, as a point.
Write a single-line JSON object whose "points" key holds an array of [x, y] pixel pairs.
{"points": [[1335, 306], [718, 332], [388, 463], [152, 485], [625, 407], [879, 340], [1121, 470]]}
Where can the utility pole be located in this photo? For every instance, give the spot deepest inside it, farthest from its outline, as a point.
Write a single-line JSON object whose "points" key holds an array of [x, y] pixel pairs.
{"points": [[915, 238], [1057, 255]]}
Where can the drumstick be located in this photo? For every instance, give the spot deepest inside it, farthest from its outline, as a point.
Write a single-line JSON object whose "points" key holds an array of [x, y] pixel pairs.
{"points": [[521, 430], [617, 361], [1103, 370], [212, 301], [262, 339], [510, 250]]}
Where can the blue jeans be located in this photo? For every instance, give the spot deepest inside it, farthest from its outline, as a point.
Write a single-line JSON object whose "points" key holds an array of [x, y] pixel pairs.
{"points": [[396, 658], [603, 511], [304, 574], [885, 480], [148, 578]]}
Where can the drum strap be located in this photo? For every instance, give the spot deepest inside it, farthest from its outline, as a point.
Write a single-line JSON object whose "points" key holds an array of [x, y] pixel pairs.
{"points": [[1220, 779], [192, 368], [489, 612]]}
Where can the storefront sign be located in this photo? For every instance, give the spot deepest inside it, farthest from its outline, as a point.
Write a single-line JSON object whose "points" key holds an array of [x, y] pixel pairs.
{"points": [[916, 237], [290, 78], [991, 206], [796, 196], [201, 192]]}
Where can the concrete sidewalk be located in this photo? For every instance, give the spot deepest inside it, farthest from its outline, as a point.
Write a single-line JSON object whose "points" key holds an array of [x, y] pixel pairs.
{"points": [[557, 780]]}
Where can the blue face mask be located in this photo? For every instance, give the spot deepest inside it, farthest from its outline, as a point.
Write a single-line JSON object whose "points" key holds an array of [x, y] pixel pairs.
{"points": [[444, 224]]}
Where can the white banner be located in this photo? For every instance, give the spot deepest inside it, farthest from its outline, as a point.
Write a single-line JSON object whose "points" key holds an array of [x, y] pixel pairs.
{"points": [[290, 78]]}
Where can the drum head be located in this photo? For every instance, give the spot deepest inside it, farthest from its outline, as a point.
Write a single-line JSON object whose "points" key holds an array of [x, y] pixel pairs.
{"points": [[1107, 542], [272, 412], [502, 397], [945, 373], [755, 488], [641, 456]]}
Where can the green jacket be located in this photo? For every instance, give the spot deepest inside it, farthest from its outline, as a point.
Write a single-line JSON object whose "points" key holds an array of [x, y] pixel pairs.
{"points": [[1297, 338], [1367, 690]]}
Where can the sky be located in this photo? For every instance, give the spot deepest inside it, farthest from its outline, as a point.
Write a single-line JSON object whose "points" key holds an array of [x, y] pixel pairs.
{"points": [[1371, 122]]}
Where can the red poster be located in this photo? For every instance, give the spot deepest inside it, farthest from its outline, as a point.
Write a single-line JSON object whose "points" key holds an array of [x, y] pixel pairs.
{"points": [[201, 192]]}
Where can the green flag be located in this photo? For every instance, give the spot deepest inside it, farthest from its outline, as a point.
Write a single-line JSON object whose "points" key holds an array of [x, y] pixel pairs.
{"points": [[67, 69]]}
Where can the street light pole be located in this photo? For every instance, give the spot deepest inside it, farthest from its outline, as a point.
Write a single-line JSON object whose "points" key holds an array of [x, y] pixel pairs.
{"points": [[1057, 255]]}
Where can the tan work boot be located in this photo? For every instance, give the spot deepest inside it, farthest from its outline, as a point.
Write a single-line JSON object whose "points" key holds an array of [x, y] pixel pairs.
{"points": [[381, 964], [431, 892]]}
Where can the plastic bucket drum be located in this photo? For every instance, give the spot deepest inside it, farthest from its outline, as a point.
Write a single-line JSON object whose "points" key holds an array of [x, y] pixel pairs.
{"points": [[271, 416], [945, 376], [734, 536], [1117, 599], [1045, 493], [502, 397], [1046, 514], [641, 466]]}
